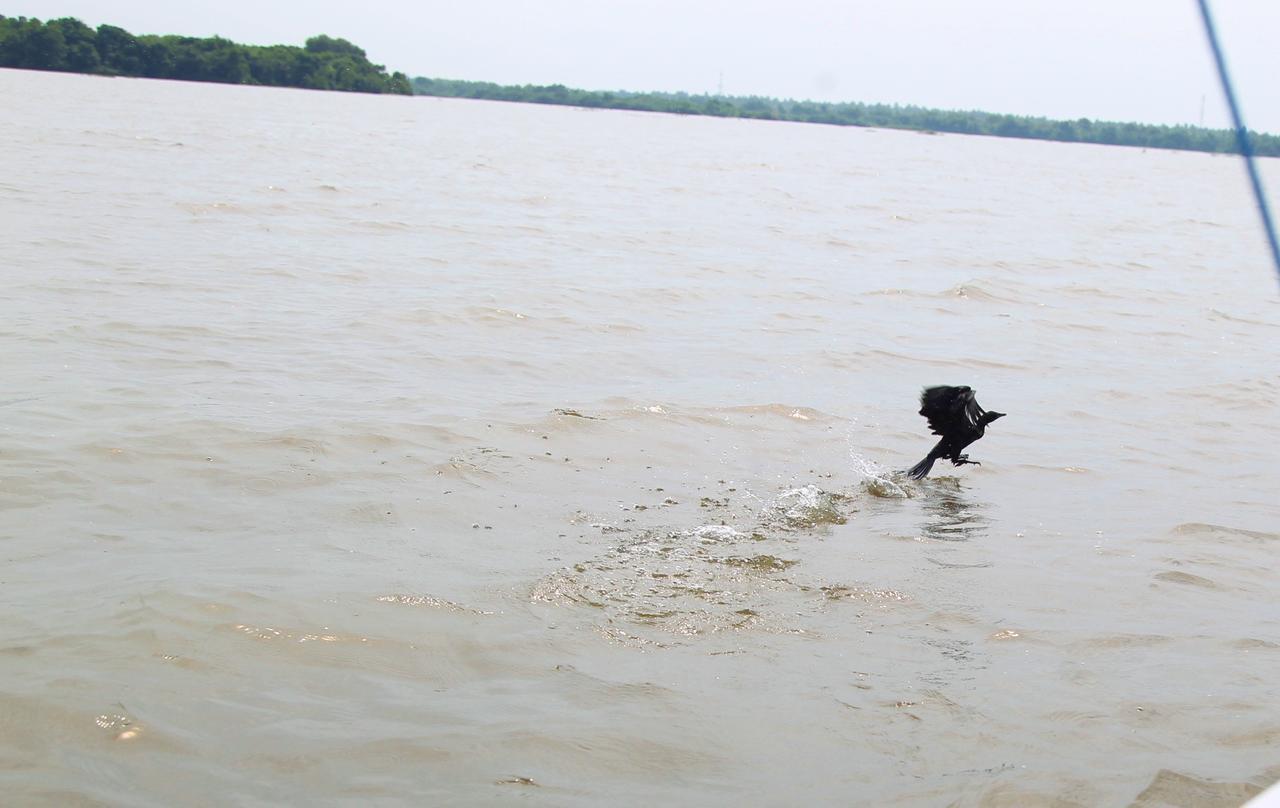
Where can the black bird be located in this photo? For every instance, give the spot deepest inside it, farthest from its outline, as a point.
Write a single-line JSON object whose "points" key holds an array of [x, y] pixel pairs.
{"points": [[954, 414]]}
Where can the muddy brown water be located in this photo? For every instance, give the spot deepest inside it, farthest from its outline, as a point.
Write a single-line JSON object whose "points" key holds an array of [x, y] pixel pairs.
{"points": [[361, 450]]}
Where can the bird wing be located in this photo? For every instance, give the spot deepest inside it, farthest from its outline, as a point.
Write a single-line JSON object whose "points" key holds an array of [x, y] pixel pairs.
{"points": [[972, 410], [948, 408]]}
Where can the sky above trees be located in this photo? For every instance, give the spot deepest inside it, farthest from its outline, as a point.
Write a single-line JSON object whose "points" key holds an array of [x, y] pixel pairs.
{"points": [[1125, 60]]}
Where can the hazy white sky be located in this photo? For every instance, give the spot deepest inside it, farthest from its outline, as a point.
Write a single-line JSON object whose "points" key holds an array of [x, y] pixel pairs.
{"points": [[1128, 60]]}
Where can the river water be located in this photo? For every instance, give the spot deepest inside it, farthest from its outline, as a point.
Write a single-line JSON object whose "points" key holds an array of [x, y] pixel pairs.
{"points": [[370, 450]]}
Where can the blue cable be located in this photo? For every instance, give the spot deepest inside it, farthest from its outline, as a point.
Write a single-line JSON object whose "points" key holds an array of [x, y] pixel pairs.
{"points": [[1242, 135]]}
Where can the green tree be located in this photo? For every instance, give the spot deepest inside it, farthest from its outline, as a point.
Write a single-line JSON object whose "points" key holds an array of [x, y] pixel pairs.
{"points": [[82, 52], [35, 46], [855, 114], [120, 51], [326, 63], [159, 58], [328, 44]]}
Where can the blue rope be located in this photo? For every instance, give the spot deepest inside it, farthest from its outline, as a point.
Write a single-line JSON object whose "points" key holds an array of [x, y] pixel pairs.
{"points": [[1242, 135]]}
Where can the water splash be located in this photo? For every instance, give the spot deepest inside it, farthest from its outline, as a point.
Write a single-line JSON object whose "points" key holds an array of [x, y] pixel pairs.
{"points": [[718, 533], [808, 506], [876, 479]]}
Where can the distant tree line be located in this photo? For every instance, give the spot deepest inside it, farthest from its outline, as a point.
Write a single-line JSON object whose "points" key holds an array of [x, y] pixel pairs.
{"points": [[1189, 138], [69, 45]]}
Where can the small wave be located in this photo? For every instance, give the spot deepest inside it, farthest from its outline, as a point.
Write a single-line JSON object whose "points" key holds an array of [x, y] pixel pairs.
{"points": [[1255, 644], [870, 594], [971, 290], [706, 416], [575, 414], [1080, 290], [1123, 641], [375, 224], [271, 634], [429, 602], [1187, 579], [201, 208], [1244, 393], [898, 293], [1203, 529], [1175, 788], [1203, 223], [951, 565], [968, 363], [486, 314], [1216, 314], [1056, 469], [835, 241], [781, 410]]}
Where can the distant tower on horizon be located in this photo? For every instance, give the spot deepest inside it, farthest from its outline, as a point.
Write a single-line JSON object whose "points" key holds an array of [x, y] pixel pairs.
{"points": [[720, 84]]}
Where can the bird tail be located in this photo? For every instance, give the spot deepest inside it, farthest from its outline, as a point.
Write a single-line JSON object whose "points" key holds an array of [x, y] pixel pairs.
{"points": [[921, 470]]}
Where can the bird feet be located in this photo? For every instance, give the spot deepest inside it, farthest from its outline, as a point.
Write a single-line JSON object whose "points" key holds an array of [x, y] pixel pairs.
{"points": [[963, 460]]}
